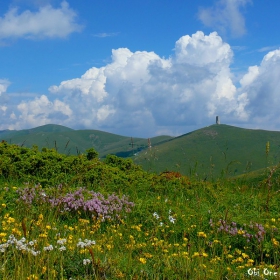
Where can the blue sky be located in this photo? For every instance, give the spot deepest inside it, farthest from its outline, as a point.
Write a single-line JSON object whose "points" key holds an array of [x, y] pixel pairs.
{"points": [[139, 68]]}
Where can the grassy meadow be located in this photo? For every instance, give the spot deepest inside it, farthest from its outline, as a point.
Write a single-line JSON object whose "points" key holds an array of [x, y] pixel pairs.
{"points": [[77, 217], [212, 150]]}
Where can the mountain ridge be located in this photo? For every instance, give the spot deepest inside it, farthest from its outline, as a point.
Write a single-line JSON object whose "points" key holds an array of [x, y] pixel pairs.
{"points": [[207, 151]]}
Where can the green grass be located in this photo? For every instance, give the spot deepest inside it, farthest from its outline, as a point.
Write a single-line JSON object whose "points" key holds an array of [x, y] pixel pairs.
{"points": [[214, 151], [179, 228], [210, 152], [73, 142]]}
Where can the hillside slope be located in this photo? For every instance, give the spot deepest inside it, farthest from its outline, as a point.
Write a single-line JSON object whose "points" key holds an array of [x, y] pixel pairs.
{"points": [[69, 141], [212, 150]]}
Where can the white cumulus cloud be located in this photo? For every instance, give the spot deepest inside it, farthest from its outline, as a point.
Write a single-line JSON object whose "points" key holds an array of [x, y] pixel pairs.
{"points": [[261, 84], [47, 22], [142, 94], [38, 112]]}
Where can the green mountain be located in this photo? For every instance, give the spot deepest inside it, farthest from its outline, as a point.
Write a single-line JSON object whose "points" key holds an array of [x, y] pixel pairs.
{"points": [[205, 152], [213, 150], [69, 141]]}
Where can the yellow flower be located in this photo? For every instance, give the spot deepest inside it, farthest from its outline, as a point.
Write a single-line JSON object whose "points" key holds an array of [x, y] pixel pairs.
{"points": [[10, 220], [201, 234], [142, 260], [275, 242], [239, 259], [16, 231], [4, 205], [250, 261], [44, 269], [195, 254], [204, 266], [245, 256], [84, 221], [148, 255], [238, 251]]}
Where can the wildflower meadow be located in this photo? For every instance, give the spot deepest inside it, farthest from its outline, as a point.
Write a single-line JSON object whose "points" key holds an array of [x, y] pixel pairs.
{"points": [[79, 217]]}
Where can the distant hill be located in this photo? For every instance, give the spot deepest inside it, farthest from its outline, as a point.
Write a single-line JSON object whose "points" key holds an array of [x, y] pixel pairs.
{"points": [[206, 152], [69, 141], [213, 150]]}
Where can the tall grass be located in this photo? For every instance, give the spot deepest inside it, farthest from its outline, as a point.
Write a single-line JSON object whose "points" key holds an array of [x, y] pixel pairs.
{"points": [[130, 224]]}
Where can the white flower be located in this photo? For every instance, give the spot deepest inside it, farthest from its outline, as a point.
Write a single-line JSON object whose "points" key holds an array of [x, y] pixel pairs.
{"points": [[21, 247], [48, 248], [35, 253], [86, 261], [171, 219], [62, 248], [61, 241], [3, 247], [81, 244], [86, 243], [23, 240], [156, 215]]}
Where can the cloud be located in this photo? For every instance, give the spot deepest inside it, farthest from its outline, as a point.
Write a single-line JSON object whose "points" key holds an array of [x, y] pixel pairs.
{"points": [[104, 35], [40, 111], [47, 22], [224, 15], [266, 49], [142, 94], [3, 85], [262, 86]]}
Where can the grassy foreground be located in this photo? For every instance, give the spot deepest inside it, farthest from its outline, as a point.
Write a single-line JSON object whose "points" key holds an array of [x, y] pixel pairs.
{"points": [[75, 217]]}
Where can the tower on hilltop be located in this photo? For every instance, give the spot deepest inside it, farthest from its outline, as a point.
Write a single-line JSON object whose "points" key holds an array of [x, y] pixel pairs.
{"points": [[217, 120]]}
